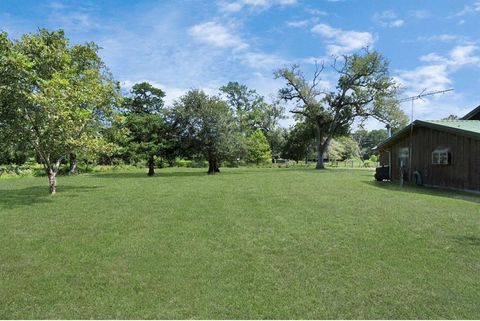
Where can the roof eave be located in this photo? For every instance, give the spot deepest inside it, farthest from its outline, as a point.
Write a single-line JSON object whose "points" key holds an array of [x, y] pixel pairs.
{"points": [[431, 125], [471, 114]]}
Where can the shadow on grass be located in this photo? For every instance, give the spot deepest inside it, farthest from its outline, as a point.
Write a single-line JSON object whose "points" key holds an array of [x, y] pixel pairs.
{"points": [[468, 240], [145, 176], [439, 192], [170, 173], [28, 196]]}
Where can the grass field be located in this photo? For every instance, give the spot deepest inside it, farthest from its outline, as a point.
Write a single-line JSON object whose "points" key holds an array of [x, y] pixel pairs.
{"points": [[248, 243]]}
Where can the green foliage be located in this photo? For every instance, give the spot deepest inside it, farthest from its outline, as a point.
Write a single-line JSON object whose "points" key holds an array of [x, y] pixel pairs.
{"points": [[364, 89], [145, 124], [451, 117], [342, 148], [144, 99], [191, 163], [53, 96], [206, 127], [258, 148], [300, 142], [367, 140], [252, 112], [335, 151]]}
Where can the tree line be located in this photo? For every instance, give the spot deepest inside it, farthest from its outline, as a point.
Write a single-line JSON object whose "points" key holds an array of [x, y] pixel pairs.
{"points": [[60, 103]]}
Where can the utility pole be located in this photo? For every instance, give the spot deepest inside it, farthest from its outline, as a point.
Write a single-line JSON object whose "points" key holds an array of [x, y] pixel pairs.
{"points": [[412, 99]]}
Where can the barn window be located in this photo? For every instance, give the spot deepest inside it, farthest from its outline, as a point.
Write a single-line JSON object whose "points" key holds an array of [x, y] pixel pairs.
{"points": [[441, 156], [403, 155]]}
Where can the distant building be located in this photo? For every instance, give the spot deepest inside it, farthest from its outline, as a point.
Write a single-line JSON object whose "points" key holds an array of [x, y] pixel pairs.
{"points": [[439, 153]]}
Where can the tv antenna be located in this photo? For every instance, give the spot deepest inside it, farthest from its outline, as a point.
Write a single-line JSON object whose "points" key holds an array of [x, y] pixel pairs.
{"points": [[422, 94]]}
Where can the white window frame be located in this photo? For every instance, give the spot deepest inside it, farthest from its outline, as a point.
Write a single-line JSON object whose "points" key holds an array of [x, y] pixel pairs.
{"points": [[441, 157]]}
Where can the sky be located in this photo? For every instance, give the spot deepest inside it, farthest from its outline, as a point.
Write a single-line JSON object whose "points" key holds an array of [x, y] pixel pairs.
{"points": [[180, 45]]}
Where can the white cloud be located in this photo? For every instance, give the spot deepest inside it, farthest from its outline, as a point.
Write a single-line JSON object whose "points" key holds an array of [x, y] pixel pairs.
{"points": [[388, 19], [419, 14], [343, 41], [443, 38], [316, 12], [217, 35], [262, 61], [464, 55], [437, 75], [235, 6], [298, 23], [76, 18], [432, 77], [459, 56], [397, 23], [473, 8]]}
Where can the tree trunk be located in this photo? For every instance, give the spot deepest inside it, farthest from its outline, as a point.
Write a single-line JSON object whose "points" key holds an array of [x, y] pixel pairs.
{"points": [[320, 152], [213, 167], [73, 164], [151, 166], [52, 182]]}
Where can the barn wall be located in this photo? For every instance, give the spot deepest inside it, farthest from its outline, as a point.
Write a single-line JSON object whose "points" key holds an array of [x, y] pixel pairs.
{"points": [[463, 172]]}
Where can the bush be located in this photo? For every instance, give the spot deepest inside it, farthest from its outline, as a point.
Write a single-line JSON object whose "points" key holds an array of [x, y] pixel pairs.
{"points": [[191, 163], [36, 170]]}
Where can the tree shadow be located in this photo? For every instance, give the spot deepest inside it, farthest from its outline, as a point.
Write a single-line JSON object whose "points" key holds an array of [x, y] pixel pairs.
{"points": [[166, 174], [467, 240], [432, 191], [29, 196]]}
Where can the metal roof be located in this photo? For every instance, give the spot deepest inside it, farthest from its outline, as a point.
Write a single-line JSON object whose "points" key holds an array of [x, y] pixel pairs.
{"points": [[470, 128], [458, 124]]}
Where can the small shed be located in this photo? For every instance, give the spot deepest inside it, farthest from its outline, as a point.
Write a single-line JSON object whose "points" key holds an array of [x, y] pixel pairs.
{"points": [[438, 153]]}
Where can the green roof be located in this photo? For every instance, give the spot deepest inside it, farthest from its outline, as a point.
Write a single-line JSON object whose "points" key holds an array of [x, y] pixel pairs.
{"points": [[469, 128], [466, 125]]}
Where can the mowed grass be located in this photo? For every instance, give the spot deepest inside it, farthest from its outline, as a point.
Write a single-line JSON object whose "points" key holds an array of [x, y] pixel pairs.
{"points": [[244, 244]]}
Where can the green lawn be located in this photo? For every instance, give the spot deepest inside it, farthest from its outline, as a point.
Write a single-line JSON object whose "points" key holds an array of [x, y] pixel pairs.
{"points": [[248, 243]]}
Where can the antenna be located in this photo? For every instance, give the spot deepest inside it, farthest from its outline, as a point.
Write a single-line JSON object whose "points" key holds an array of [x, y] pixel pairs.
{"points": [[412, 99], [421, 95]]}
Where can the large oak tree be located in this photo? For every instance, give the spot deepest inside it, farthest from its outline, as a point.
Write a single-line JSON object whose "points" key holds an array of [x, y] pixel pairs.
{"points": [[364, 89], [206, 128]]}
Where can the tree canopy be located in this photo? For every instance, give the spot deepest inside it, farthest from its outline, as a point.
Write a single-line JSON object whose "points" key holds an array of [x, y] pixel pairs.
{"points": [[145, 120], [364, 89], [53, 95], [206, 128]]}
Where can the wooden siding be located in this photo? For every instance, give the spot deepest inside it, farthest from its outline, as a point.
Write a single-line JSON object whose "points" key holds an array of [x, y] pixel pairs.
{"points": [[462, 173]]}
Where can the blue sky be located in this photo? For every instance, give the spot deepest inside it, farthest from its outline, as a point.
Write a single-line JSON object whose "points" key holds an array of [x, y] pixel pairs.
{"points": [[178, 45]]}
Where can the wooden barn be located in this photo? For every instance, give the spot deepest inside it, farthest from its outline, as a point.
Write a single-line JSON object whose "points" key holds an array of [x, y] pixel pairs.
{"points": [[440, 153]]}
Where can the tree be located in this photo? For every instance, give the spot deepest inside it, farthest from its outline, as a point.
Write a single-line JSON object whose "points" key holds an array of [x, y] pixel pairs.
{"points": [[364, 89], [53, 95], [300, 142], [146, 122], [335, 151], [258, 148], [343, 147], [252, 112], [206, 128], [351, 148], [367, 140], [450, 117]]}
